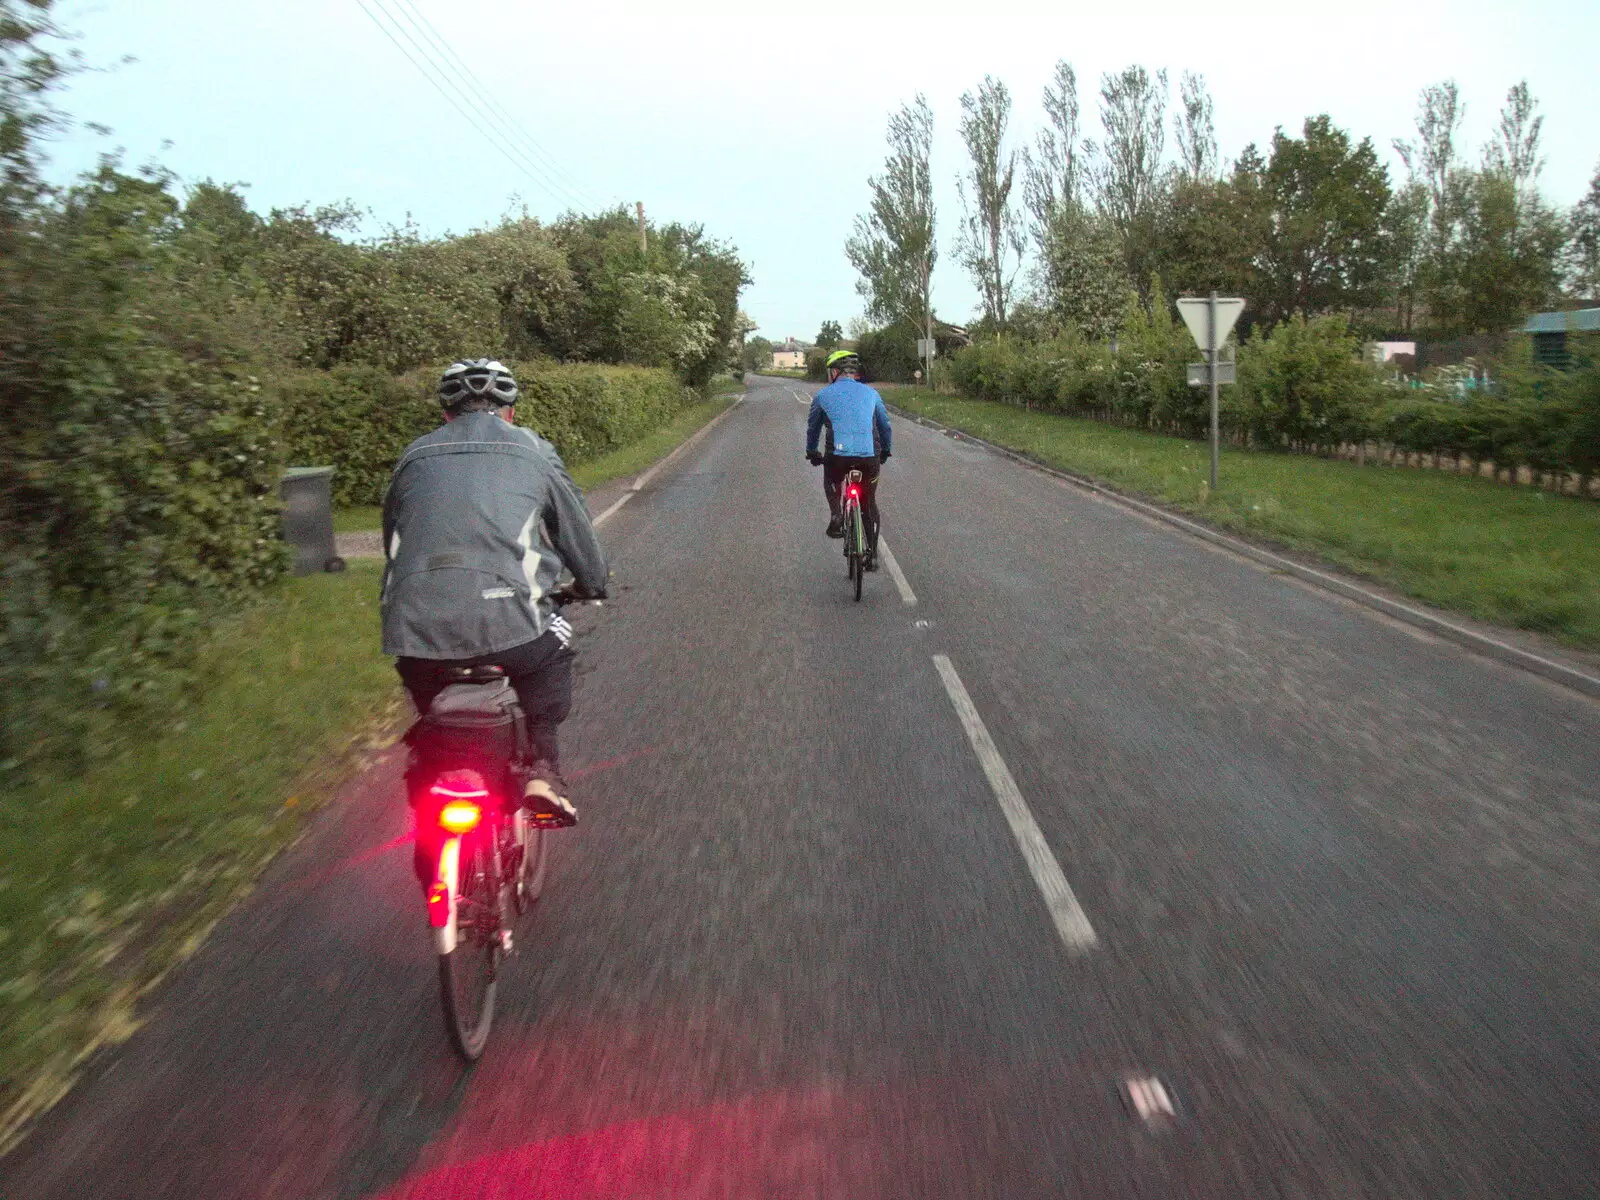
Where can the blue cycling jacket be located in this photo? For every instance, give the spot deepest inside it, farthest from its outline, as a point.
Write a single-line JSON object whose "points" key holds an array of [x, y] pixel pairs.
{"points": [[858, 423]]}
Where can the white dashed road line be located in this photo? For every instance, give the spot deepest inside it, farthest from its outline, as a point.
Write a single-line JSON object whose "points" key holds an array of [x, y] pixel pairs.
{"points": [[1070, 920], [904, 588]]}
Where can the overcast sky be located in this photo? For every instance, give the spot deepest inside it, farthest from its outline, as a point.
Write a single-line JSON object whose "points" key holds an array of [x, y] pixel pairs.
{"points": [[761, 122]]}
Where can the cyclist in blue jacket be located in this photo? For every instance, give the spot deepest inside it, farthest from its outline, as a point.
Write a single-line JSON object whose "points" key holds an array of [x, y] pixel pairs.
{"points": [[858, 439]]}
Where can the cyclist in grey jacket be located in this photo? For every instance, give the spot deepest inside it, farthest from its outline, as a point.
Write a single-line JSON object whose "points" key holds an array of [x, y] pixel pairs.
{"points": [[480, 521]]}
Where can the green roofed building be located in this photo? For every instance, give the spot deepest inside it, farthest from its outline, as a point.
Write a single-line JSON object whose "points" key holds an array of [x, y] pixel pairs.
{"points": [[1550, 332]]}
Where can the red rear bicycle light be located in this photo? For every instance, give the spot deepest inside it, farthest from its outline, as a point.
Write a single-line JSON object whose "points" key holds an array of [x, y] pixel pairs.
{"points": [[460, 795], [460, 816], [855, 492], [438, 905]]}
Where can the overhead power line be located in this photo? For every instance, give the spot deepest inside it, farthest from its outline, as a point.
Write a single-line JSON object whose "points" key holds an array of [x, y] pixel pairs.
{"points": [[440, 77], [509, 122]]}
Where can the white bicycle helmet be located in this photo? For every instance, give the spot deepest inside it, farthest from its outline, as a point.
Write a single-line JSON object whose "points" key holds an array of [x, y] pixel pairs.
{"points": [[477, 379]]}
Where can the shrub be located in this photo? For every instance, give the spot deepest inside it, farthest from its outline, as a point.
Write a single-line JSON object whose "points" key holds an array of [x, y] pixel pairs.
{"points": [[139, 467], [1305, 385], [359, 419]]}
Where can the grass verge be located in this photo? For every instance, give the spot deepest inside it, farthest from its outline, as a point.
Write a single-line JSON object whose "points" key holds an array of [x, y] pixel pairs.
{"points": [[635, 457], [357, 519], [112, 878], [1514, 556], [626, 460]]}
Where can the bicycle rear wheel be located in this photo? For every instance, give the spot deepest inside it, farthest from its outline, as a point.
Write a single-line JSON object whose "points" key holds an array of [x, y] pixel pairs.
{"points": [[531, 867], [468, 973], [859, 537]]}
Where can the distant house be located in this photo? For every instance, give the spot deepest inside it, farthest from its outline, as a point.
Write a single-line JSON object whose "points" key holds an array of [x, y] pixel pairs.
{"points": [[1382, 352], [1550, 330], [789, 355]]}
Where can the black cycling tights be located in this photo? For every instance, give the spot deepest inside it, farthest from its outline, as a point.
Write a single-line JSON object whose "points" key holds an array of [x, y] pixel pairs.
{"points": [[834, 469]]}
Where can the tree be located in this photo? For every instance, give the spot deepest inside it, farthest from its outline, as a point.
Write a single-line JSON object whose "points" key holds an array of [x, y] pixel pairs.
{"points": [[893, 247], [1085, 282], [757, 354], [1209, 235], [1432, 157], [1583, 242], [991, 242], [1322, 203], [1514, 149], [1502, 259], [1054, 177], [1407, 245], [1128, 172], [830, 335], [1197, 137]]}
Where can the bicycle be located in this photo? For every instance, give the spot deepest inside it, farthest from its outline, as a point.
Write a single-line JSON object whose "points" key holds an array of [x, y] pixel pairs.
{"points": [[488, 855], [855, 534]]}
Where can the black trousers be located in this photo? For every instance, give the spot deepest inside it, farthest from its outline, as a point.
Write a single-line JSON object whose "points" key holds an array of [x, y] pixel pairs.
{"points": [[540, 671], [834, 469]]}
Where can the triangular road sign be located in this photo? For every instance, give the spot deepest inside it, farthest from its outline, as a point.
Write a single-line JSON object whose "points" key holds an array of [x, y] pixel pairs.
{"points": [[1196, 315]]}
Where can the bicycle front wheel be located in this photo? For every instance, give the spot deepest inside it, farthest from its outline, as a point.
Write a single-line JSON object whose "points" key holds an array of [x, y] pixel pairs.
{"points": [[468, 973]]}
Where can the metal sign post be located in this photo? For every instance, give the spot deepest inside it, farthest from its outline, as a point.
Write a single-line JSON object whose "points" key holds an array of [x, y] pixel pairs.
{"points": [[926, 349], [1209, 321]]}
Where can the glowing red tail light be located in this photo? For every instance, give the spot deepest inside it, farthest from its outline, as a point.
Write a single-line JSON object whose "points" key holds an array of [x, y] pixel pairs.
{"points": [[460, 795], [438, 905], [855, 492]]}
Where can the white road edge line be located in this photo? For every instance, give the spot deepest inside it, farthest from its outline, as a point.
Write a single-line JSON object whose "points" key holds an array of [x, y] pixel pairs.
{"points": [[639, 484], [906, 594], [1070, 920], [606, 516]]}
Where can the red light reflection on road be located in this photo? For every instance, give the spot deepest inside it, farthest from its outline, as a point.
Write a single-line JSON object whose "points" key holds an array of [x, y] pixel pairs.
{"points": [[821, 1142]]}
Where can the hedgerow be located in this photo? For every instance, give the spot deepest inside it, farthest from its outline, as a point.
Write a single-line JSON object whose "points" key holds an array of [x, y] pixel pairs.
{"points": [[1304, 386]]}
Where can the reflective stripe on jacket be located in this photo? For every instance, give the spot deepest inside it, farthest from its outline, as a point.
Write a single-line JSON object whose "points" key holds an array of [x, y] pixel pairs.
{"points": [[479, 521]]}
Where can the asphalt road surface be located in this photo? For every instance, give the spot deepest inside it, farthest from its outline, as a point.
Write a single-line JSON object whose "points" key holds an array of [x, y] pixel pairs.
{"points": [[916, 899]]}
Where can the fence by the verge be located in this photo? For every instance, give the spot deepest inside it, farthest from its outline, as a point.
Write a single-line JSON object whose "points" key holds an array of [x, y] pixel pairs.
{"points": [[1304, 387]]}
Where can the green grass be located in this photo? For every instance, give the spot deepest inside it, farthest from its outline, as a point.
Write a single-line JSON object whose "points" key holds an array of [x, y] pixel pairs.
{"points": [[628, 460], [358, 519], [784, 372], [108, 880], [1514, 556], [635, 457]]}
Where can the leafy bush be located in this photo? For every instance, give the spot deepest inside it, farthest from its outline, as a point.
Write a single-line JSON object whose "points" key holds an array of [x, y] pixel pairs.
{"points": [[139, 464], [890, 355], [1305, 385], [360, 419]]}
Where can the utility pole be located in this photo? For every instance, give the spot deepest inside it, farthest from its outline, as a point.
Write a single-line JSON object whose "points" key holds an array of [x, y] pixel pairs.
{"points": [[644, 242]]}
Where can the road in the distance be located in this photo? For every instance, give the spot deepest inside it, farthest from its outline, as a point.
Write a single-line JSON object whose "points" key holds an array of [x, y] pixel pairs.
{"points": [[1341, 883]]}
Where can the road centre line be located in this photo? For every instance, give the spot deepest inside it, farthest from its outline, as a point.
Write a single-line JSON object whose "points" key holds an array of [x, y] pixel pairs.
{"points": [[906, 594], [1070, 920]]}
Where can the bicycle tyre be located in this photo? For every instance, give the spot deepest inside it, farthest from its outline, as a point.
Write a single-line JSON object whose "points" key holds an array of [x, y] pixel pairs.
{"points": [[859, 536], [468, 974], [532, 870]]}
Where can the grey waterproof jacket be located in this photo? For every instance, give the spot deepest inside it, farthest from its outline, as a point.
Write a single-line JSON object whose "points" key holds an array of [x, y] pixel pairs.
{"points": [[479, 521]]}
